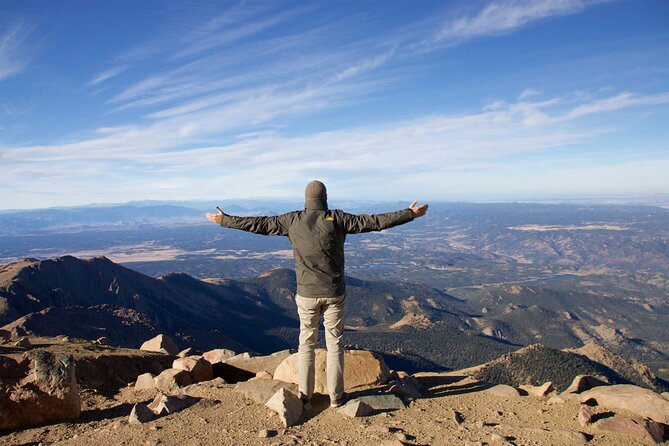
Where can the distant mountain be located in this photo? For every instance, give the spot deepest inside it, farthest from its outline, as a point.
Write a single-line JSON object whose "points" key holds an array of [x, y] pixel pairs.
{"points": [[96, 297], [537, 364]]}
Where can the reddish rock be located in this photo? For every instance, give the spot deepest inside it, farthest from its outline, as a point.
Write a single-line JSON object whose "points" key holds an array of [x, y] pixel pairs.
{"points": [[540, 391], [171, 380], [581, 383], [361, 368], [40, 388], [161, 343], [633, 426], [198, 368], [585, 415], [261, 390], [643, 402]]}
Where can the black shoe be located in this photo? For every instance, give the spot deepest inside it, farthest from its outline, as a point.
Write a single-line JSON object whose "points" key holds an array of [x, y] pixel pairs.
{"points": [[341, 401]]}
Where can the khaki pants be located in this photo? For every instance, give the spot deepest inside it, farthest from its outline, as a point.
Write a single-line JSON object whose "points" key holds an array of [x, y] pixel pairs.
{"points": [[310, 311]]}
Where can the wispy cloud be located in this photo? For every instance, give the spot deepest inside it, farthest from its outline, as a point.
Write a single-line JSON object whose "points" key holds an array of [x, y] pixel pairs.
{"points": [[503, 16], [106, 75], [14, 56]]}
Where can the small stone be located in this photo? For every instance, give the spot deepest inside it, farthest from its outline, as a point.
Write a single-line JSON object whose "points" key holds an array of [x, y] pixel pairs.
{"points": [[145, 381], [165, 405], [199, 368], [266, 433], [383, 402], [23, 343], [401, 436], [457, 417], [100, 341], [162, 344], [140, 414], [355, 408], [287, 405], [171, 380], [497, 438]]}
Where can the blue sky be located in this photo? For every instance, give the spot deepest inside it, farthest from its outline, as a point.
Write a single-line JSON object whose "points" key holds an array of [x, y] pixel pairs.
{"points": [[481, 100]]}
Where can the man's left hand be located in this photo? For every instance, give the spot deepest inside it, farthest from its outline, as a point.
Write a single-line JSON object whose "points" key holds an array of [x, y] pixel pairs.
{"points": [[215, 218]]}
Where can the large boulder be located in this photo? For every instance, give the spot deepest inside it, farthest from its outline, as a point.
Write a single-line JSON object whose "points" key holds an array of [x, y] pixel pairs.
{"points": [[255, 364], [635, 399], [503, 390], [361, 368], [171, 380], [39, 388], [637, 427], [161, 343], [198, 368]]}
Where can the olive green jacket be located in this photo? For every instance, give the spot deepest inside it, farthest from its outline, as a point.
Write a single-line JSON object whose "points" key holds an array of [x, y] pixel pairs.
{"points": [[317, 235]]}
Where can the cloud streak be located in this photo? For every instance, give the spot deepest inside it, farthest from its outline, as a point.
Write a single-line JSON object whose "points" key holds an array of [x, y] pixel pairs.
{"points": [[13, 51]]}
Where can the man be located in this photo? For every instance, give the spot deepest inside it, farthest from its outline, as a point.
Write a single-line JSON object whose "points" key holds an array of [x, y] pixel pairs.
{"points": [[317, 235]]}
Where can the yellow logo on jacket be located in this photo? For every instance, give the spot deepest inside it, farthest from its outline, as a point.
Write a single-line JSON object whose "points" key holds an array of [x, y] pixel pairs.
{"points": [[329, 218]]}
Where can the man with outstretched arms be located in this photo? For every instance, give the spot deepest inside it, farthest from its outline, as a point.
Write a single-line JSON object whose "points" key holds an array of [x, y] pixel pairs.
{"points": [[317, 235]]}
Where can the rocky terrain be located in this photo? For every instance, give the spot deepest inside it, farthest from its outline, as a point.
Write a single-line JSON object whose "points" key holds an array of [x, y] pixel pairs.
{"points": [[110, 395]]}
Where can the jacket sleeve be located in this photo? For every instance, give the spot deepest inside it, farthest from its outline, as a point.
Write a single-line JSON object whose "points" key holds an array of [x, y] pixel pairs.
{"points": [[354, 224], [275, 225]]}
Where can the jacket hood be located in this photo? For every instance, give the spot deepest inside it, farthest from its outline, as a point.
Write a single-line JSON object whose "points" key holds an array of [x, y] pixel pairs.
{"points": [[316, 203]]}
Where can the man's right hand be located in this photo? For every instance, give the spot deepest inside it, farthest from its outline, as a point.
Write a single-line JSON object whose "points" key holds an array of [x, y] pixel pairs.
{"points": [[418, 211], [215, 218]]}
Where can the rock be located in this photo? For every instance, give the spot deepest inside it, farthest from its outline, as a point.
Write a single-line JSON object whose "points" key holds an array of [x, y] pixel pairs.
{"points": [[265, 433], [362, 368], [171, 380], [541, 391], [255, 364], [582, 383], [100, 341], [574, 437], [264, 375], [189, 352], [503, 390], [261, 390], [165, 405], [401, 436], [287, 405], [635, 399], [218, 356], [141, 414], [665, 395], [585, 415], [406, 386], [145, 381], [198, 368], [556, 400], [40, 388], [497, 438], [383, 402], [457, 417], [5, 335], [161, 343], [23, 343], [634, 427], [355, 408]]}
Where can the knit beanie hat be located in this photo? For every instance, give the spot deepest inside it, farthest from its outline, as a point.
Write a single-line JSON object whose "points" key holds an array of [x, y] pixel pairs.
{"points": [[315, 190]]}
